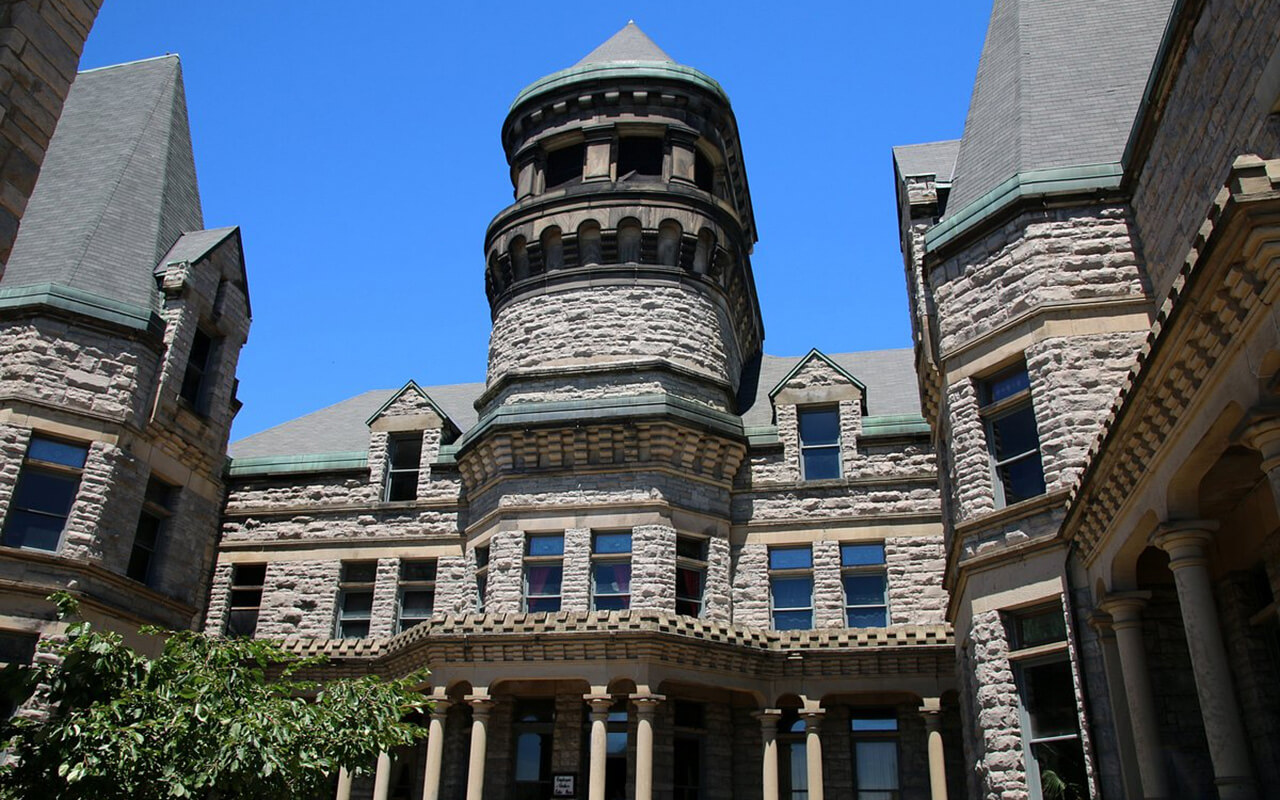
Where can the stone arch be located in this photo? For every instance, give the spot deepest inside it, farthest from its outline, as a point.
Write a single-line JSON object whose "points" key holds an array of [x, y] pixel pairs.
{"points": [[1124, 565], [669, 233], [552, 249], [590, 242], [704, 253], [519, 258], [629, 236], [1183, 492], [623, 686]]}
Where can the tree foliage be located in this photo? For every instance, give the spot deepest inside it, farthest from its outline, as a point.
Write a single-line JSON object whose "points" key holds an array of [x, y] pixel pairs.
{"points": [[207, 718]]}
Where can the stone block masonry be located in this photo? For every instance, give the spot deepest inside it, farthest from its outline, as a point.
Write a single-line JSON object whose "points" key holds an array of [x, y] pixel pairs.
{"points": [[751, 586], [299, 598], [998, 733], [653, 568], [915, 565]]}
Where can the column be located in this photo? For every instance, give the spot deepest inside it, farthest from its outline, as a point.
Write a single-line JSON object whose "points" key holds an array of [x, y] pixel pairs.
{"points": [[1100, 621], [1185, 542], [1262, 433], [382, 777], [600, 705], [813, 750], [1126, 620], [435, 750], [931, 710], [646, 705], [481, 705], [769, 736], [344, 784]]}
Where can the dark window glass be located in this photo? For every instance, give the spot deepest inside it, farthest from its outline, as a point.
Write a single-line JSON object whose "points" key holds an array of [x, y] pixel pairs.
{"points": [[792, 592], [55, 452], [864, 590], [195, 377], [418, 570], [47, 486], [543, 587], [612, 586], [565, 165], [689, 547], [690, 715], [1051, 728], [873, 724], [156, 507], [246, 598], [687, 768], [1039, 627], [533, 728], [820, 443], [404, 464], [689, 591], [704, 174], [17, 647], [790, 558], [482, 557], [1005, 385], [359, 571], [876, 768], [640, 157], [417, 591], [1012, 438], [355, 598]]}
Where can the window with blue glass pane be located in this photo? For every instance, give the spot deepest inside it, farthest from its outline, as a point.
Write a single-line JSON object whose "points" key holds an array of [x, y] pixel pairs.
{"points": [[47, 486], [875, 756], [866, 585], [611, 570], [819, 443], [546, 544], [543, 571], [791, 587], [1012, 437], [790, 558], [861, 555]]}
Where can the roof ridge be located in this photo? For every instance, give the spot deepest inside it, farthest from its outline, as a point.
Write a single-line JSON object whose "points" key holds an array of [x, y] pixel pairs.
{"points": [[129, 63]]}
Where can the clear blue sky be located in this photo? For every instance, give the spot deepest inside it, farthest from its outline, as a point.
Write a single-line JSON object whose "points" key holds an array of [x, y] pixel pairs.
{"points": [[356, 144]]}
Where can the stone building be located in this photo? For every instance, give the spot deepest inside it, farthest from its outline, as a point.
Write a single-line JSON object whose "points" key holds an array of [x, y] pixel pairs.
{"points": [[1092, 272]]}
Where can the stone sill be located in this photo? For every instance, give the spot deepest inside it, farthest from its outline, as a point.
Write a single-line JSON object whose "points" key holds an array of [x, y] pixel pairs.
{"points": [[1015, 512]]}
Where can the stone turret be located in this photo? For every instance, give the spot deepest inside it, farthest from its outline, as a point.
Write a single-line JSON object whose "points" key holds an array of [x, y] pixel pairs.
{"points": [[622, 267]]}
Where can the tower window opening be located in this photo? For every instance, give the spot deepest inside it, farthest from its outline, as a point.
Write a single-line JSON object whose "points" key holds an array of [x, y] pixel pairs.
{"points": [[564, 166], [640, 158], [704, 174]]}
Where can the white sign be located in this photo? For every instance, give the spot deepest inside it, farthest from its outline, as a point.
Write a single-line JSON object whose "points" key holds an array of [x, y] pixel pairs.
{"points": [[563, 786]]}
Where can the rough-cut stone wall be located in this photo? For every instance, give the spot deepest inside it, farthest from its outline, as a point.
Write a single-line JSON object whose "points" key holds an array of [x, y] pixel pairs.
{"points": [[653, 568], [90, 522], [215, 620], [576, 588], [505, 593], [600, 490], [970, 474], [348, 525], [828, 590], [13, 449], [455, 585], [628, 384], [299, 597], [40, 45], [751, 586], [1211, 117], [915, 565], [998, 731], [1049, 256], [828, 500], [614, 323], [385, 612], [718, 594], [1074, 381]]}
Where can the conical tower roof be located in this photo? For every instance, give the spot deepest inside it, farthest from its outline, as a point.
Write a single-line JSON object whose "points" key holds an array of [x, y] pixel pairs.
{"points": [[628, 44]]}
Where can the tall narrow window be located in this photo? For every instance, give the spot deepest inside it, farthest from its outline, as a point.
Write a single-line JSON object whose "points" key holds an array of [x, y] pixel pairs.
{"points": [[404, 461], [199, 366], [704, 174], [688, 768], [157, 506], [543, 571], [611, 570], [564, 166], [417, 591], [793, 761], [866, 585], [355, 598], [691, 575], [1016, 469], [819, 443], [482, 576], [875, 755], [47, 487], [791, 587], [640, 158], [1047, 699], [533, 728], [246, 598]]}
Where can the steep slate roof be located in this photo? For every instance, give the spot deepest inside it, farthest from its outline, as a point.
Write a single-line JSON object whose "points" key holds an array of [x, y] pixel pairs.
{"points": [[193, 246], [118, 186], [932, 158], [1058, 85], [628, 44], [342, 428]]}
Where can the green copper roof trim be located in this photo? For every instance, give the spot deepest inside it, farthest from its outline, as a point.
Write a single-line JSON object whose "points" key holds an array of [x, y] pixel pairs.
{"points": [[803, 362], [412, 386], [618, 70], [895, 425], [286, 465], [1023, 185], [78, 301]]}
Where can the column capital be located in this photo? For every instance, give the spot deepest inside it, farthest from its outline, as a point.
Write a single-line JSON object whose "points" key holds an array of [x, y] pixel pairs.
{"points": [[440, 708], [931, 710], [481, 704], [812, 718], [768, 718], [647, 704], [1185, 541], [1124, 608], [600, 704], [1260, 430]]}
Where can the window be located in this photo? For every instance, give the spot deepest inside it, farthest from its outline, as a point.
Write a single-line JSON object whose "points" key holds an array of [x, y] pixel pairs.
{"points": [[793, 761], [199, 367], [46, 490], [1047, 702], [355, 598], [819, 443], [1016, 471], [687, 754], [875, 755], [565, 165], [157, 506], [543, 571], [691, 575], [534, 731], [866, 585], [640, 158], [703, 173], [417, 592], [246, 598], [404, 460], [611, 571], [16, 647], [482, 576], [791, 587]]}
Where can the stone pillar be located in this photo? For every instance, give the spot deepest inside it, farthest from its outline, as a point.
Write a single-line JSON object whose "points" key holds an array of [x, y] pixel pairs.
{"points": [[1185, 542], [382, 777], [1262, 433], [599, 153], [813, 750], [646, 705], [1126, 620], [683, 148], [344, 784], [481, 705], [600, 705], [931, 710], [769, 757], [1100, 621], [435, 750]]}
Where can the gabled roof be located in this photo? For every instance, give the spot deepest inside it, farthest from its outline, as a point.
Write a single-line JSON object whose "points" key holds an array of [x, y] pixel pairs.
{"points": [[932, 158], [628, 44], [1058, 85], [412, 388], [815, 355], [117, 188]]}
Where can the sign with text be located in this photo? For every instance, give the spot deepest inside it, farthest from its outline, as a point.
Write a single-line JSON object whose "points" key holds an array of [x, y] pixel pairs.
{"points": [[564, 786]]}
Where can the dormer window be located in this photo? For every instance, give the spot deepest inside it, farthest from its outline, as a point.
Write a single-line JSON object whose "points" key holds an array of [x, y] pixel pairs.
{"points": [[195, 379], [820, 442], [404, 462], [640, 158], [564, 166]]}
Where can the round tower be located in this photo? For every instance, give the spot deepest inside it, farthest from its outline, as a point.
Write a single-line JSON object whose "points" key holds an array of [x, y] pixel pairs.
{"points": [[622, 266]]}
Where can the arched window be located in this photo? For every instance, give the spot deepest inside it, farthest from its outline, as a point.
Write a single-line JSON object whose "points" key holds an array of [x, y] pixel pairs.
{"points": [[669, 243], [552, 249], [590, 247], [629, 241], [519, 258], [705, 251]]}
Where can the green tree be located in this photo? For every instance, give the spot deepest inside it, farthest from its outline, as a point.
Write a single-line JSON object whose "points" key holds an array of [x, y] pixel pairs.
{"points": [[207, 718]]}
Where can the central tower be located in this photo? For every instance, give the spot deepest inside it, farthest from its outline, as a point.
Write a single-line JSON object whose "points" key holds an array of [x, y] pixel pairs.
{"points": [[622, 267]]}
